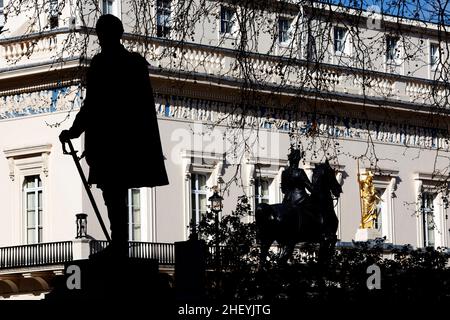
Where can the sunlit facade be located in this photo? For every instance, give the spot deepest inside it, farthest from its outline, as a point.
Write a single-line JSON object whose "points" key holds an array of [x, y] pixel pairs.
{"points": [[227, 120]]}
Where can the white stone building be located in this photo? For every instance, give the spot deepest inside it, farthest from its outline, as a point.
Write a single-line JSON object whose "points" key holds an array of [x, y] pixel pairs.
{"points": [[350, 85]]}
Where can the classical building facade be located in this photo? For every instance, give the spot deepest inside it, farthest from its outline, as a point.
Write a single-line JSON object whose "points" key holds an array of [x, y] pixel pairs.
{"points": [[232, 95]]}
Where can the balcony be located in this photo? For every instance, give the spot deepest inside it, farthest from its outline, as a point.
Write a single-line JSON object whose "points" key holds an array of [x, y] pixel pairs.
{"points": [[35, 255], [163, 252], [32, 269], [57, 253], [61, 49]]}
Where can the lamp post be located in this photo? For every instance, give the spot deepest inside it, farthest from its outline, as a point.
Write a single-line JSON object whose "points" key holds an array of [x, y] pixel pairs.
{"points": [[216, 208], [81, 225]]}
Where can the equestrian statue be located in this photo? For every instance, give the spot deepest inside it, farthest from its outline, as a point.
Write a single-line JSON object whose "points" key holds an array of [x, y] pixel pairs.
{"points": [[302, 216]]}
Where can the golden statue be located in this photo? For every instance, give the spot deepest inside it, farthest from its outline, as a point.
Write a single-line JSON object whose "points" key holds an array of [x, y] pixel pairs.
{"points": [[369, 202]]}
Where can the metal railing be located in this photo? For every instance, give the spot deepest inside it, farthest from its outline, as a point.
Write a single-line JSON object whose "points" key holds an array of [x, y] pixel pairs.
{"points": [[61, 252], [36, 254], [163, 252]]}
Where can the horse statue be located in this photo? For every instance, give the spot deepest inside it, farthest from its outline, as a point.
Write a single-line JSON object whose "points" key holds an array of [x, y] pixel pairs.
{"points": [[301, 217]]}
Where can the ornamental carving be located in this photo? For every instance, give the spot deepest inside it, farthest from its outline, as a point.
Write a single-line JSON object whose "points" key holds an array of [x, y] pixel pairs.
{"points": [[37, 102]]}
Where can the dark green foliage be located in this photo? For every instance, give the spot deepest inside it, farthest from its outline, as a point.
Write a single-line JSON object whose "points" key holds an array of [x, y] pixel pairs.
{"points": [[407, 275]]}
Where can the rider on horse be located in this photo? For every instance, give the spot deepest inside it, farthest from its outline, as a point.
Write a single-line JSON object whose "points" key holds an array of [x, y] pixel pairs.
{"points": [[317, 205], [296, 202], [294, 183], [301, 217]]}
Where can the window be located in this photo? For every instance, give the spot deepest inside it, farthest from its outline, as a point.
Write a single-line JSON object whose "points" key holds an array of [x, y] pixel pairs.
{"points": [[311, 51], [202, 171], [264, 180], [134, 214], [226, 20], [428, 223], [283, 30], [340, 35], [198, 196], [392, 50], [32, 194], [107, 6], [163, 13], [54, 14], [262, 194], [28, 171], [431, 208], [382, 207], [2, 17], [434, 55]]}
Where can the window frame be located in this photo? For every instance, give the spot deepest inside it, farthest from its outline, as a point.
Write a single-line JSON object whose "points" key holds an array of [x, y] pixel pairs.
{"points": [[37, 190], [115, 7], [196, 212], [378, 223], [231, 22], [259, 196], [287, 32], [427, 231], [53, 14], [343, 41], [266, 168], [392, 57], [2, 16], [23, 162], [434, 62], [437, 185], [106, 7], [199, 162], [163, 11], [131, 221], [311, 48]]}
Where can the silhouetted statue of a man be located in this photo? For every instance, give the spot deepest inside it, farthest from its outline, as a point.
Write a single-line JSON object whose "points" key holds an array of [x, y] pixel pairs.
{"points": [[122, 142]]}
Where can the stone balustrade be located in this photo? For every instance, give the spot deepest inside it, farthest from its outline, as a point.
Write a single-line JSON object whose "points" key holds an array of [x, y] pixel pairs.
{"points": [[186, 59], [26, 48]]}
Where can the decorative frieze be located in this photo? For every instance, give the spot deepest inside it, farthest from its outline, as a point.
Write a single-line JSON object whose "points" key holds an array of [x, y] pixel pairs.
{"points": [[278, 119], [43, 101], [232, 115]]}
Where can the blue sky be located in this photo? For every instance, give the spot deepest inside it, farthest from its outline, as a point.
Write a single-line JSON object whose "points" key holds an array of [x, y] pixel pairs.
{"points": [[425, 10]]}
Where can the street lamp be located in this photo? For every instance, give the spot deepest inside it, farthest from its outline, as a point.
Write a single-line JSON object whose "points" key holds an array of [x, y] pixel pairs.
{"points": [[216, 201], [81, 225], [216, 208]]}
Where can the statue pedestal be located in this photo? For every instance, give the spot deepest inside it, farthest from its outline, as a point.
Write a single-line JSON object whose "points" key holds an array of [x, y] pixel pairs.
{"points": [[190, 270], [111, 279], [367, 234]]}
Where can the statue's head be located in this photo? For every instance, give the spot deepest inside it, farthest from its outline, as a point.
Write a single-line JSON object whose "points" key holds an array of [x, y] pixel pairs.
{"points": [[294, 157], [109, 30]]}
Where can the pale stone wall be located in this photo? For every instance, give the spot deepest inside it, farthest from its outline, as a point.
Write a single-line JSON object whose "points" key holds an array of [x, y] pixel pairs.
{"points": [[410, 150], [184, 131]]}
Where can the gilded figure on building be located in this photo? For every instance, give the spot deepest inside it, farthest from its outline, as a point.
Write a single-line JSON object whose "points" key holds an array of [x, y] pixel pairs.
{"points": [[369, 202]]}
